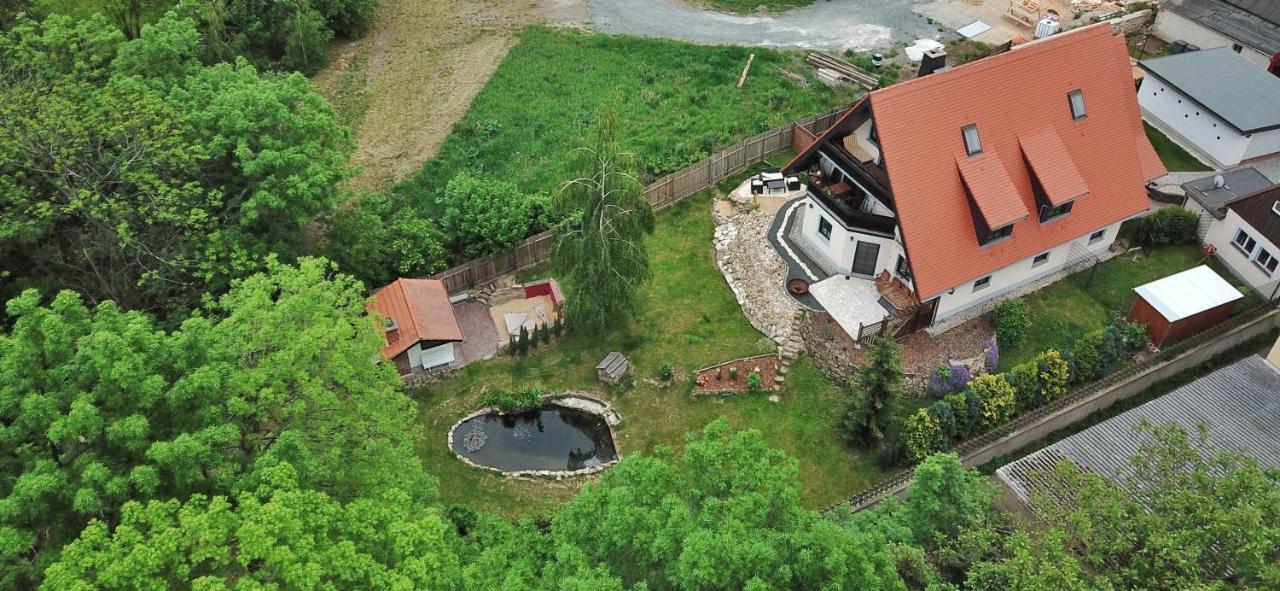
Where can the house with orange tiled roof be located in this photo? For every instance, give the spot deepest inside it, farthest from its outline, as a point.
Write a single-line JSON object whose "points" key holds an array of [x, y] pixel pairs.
{"points": [[951, 190], [418, 323]]}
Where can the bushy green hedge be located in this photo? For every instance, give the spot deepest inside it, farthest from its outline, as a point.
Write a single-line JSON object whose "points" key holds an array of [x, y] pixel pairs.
{"points": [[1169, 225], [520, 399], [1012, 321]]}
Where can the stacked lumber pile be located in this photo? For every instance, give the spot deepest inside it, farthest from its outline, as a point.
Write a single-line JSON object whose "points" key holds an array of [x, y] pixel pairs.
{"points": [[833, 70]]}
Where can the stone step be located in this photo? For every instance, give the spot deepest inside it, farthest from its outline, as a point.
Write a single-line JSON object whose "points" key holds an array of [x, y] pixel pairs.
{"points": [[778, 379], [784, 369]]}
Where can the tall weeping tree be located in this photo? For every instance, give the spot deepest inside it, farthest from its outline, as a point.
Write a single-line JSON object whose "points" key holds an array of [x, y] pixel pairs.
{"points": [[600, 247]]}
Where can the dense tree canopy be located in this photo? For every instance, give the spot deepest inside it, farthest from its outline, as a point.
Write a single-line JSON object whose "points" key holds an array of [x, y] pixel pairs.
{"points": [[130, 172], [99, 406]]}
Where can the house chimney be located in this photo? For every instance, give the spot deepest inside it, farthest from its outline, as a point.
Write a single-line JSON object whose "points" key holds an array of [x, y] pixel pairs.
{"points": [[934, 60]]}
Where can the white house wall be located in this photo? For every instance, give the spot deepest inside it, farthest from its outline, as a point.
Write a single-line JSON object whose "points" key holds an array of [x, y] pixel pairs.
{"points": [[415, 355], [1207, 134], [836, 254], [963, 297], [1221, 234], [1172, 26], [1263, 144]]}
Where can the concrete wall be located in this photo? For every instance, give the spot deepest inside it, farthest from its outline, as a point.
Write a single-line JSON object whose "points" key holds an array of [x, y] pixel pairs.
{"points": [[1171, 26], [1221, 235], [1018, 274], [836, 253], [1191, 124]]}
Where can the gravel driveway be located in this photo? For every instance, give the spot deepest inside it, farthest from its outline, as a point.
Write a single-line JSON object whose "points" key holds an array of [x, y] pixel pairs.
{"points": [[826, 24]]}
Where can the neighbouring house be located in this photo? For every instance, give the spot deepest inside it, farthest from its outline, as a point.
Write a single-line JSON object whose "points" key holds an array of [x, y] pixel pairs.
{"points": [[1245, 232], [419, 325], [1248, 27], [1240, 405], [1220, 106], [1183, 304], [972, 182]]}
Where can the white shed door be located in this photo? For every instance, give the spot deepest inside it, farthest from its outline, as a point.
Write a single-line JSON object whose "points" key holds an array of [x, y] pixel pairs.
{"points": [[437, 356]]}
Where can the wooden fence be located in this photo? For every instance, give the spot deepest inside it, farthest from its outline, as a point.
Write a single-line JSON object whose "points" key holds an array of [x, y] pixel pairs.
{"points": [[731, 160]]}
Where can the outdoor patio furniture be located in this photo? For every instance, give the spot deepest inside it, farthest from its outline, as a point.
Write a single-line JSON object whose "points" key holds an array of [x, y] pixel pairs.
{"points": [[757, 187], [514, 322]]}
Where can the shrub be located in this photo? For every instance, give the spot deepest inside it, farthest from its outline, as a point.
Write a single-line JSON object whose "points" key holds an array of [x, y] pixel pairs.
{"points": [[666, 371], [1012, 321], [945, 415], [1169, 225], [1088, 357], [753, 381], [733, 373], [998, 399], [546, 332], [1026, 386], [483, 216], [922, 435], [949, 378], [960, 412], [513, 347], [1135, 335], [1112, 347], [522, 341], [513, 401], [991, 356], [1052, 375], [879, 386]]}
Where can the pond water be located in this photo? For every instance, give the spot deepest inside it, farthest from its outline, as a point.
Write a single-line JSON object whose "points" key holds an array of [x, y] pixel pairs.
{"points": [[550, 438]]}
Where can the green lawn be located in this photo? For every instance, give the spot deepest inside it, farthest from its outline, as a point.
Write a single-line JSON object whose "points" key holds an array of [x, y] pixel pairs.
{"points": [[1174, 157], [751, 5], [1063, 311], [688, 317], [677, 102]]}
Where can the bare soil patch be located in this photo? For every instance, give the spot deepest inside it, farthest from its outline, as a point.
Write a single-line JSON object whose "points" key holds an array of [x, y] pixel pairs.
{"points": [[403, 86], [731, 377]]}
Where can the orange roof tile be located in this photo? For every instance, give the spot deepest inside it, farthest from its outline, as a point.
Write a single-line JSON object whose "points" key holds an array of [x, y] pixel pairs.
{"points": [[421, 311], [1053, 166], [992, 191], [1013, 94]]}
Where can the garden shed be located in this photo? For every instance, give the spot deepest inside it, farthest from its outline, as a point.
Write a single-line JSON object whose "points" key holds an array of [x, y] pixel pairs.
{"points": [[1183, 304]]}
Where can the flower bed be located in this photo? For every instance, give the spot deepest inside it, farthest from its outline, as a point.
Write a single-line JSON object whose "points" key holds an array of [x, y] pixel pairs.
{"points": [[732, 377]]}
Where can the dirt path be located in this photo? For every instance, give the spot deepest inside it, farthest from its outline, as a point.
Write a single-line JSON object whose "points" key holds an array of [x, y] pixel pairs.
{"points": [[403, 86]]}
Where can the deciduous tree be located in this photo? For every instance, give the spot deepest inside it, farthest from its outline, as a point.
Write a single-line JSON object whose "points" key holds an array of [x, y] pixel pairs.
{"points": [[600, 247]]}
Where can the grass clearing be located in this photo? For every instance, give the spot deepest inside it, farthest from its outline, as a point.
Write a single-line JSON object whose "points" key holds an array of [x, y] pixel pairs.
{"points": [[677, 102], [688, 317], [1172, 155], [1066, 310], [747, 6]]}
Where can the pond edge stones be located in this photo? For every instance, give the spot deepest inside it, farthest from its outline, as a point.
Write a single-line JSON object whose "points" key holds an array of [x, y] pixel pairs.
{"points": [[574, 400]]}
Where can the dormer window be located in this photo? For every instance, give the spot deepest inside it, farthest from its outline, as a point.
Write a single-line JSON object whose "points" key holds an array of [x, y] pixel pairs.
{"points": [[1047, 213], [972, 143], [391, 330], [1076, 99], [995, 235]]}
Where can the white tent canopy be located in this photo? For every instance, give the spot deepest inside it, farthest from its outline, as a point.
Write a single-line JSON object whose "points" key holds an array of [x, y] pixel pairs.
{"points": [[1188, 293]]}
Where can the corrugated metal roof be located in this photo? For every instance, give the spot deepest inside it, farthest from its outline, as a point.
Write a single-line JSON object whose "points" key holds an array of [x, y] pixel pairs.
{"points": [[1239, 403], [1188, 293], [1239, 91], [421, 311]]}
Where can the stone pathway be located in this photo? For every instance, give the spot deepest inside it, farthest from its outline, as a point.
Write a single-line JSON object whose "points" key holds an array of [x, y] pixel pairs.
{"points": [[754, 270]]}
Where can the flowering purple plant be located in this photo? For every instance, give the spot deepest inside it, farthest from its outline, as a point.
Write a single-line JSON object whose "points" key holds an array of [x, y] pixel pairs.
{"points": [[948, 379], [991, 356]]}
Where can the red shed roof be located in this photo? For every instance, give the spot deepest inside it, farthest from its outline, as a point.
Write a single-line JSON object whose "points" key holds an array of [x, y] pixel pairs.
{"points": [[1016, 98], [421, 311]]}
